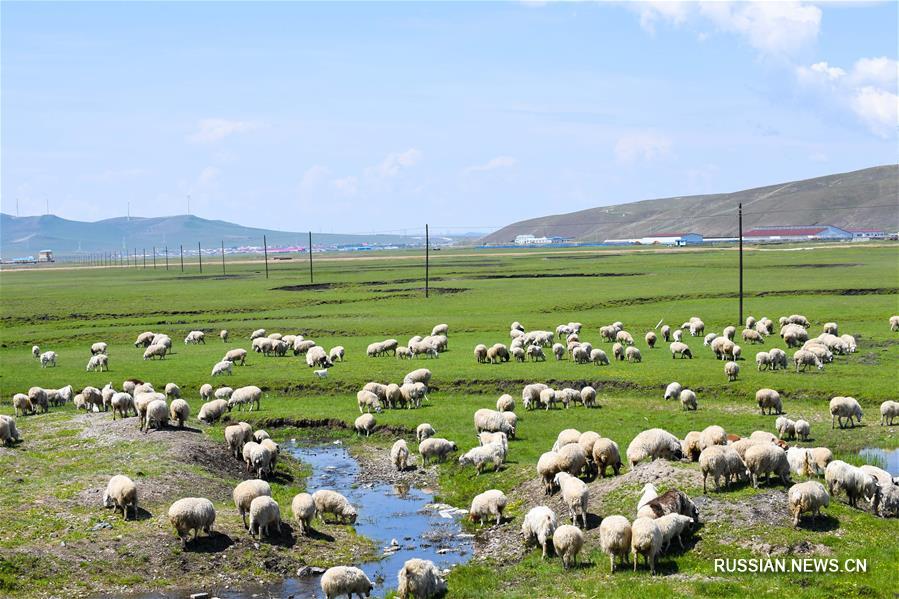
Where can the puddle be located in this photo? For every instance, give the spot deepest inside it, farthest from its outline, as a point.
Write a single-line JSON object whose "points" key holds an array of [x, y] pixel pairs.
{"points": [[888, 459]]}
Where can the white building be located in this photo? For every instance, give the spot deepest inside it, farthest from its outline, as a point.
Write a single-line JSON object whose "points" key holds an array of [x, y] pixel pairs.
{"points": [[532, 240]]}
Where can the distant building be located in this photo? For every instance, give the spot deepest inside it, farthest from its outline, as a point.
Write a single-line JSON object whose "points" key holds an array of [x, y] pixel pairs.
{"points": [[868, 233], [671, 239], [532, 240], [45, 256], [797, 233]]}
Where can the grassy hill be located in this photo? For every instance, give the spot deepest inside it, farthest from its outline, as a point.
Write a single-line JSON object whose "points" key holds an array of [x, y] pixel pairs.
{"points": [[859, 199], [26, 235]]}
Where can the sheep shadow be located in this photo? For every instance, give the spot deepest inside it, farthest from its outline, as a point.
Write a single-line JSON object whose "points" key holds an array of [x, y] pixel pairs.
{"points": [[283, 478], [593, 521], [674, 549], [141, 514], [285, 538], [215, 542], [823, 523]]}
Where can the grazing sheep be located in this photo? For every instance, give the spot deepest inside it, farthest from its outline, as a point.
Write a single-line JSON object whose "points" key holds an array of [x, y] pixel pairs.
{"points": [[399, 455], [336, 354], [672, 501], [484, 455], [579, 354], [257, 334], [498, 353], [653, 443], [303, 508], [618, 351], [195, 337], [567, 542], [672, 391], [192, 514], [505, 403], [420, 375], [677, 335], [435, 448], [21, 403], [223, 393], [480, 353], [731, 369], [844, 407], [157, 415], [768, 399], [569, 435], [854, 481], [492, 422], [211, 411], [155, 351], [317, 358], [752, 336], [530, 395], [712, 435], [588, 396], [9, 434], [35, 352], [364, 424], [558, 351], [764, 459], [120, 494], [785, 427], [488, 504], [487, 438], [690, 446], [648, 493], [222, 367], [646, 540], [264, 513], [246, 396], [802, 429], [778, 358], [205, 391], [244, 494], [574, 494], [345, 580], [673, 526], [548, 466], [48, 358], [707, 340], [145, 339], [714, 462], [651, 339], [420, 579], [332, 502], [538, 527], [632, 354], [572, 458], [615, 538], [688, 399], [236, 436], [424, 431], [763, 361], [888, 411], [809, 496], [680, 349], [605, 454], [179, 411], [98, 363], [237, 356], [804, 358]]}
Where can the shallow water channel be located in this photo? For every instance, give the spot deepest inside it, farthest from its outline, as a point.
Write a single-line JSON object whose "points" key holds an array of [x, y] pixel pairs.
{"points": [[889, 458]]}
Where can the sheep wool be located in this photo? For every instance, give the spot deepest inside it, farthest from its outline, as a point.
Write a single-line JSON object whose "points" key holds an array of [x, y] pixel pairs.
{"points": [[399, 455], [420, 578], [303, 508], [120, 494], [654, 443], [264, 514], [489, 504], [192, 514], [538, 527], [646, 540], [568, 541], [244, 494], [809, 496]]}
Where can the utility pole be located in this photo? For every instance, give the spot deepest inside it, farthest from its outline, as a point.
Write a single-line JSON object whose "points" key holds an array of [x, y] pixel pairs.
{"points": [[265, 251], [154, 257], [182, 256], [200, 254], [740, 227], [223, 256], [166, 257], [427, 260], [311, 278], [145, 257]]}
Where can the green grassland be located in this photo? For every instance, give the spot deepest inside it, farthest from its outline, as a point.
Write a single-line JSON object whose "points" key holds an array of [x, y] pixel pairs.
{"points": [[355, 302]]}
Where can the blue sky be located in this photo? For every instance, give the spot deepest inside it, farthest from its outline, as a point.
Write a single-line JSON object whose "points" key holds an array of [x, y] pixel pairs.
{"points": [[356, 117]]}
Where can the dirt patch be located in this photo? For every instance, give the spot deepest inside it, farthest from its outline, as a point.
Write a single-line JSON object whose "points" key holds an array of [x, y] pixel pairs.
{"points": [[835, 265], [306, 287], [375, 467], [767, 508]]}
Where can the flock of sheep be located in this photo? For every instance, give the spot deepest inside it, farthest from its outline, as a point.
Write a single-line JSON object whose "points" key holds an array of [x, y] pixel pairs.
{"points": [[575, 459]]}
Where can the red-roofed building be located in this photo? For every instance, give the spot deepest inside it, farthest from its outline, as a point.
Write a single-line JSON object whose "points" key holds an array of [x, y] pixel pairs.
{"points": [[796, 233]]}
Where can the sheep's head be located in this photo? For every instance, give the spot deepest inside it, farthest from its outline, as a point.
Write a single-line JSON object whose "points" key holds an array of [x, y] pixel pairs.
{"points": [[107, 500]]}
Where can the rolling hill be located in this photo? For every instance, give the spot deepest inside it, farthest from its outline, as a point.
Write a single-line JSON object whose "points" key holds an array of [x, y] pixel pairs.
{"points": [[864, 199], [22, 236]]}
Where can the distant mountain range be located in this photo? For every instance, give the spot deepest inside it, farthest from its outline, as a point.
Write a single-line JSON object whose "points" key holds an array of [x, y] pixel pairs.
{"points": [[865, 199], [23, 236]]}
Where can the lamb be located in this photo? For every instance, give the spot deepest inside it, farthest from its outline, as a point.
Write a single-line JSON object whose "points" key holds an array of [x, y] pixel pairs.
{"points": [[492, 421], [785, 427], [192, 514], [364, 424], [672, 391], [399, 455], [646, 540], [237, 356], [680, 349], [677, 335], [120, 494], [505, 403], [804, 358], [424, 431], [211, 411], [569, 435], [802, 429], [488, 504], [764, 459], [752, 336], [894, 323], [420, 578], [222, 367], [155, 351], [844, 407], [435, 448], [768, 399], [48, 358], [673, 501], [632, 354], [179, 411], [731, 369], [854, 481], [606, 455], [673, 526], [567, 542], [538, 526], [236, 436], [483, 456], [888, 411], [809, 496], [548, 466], [247, 491], [223, 335], [264, 513], [35, 352], [345, 580], [653, 443], [688, 399], [575, 495]]}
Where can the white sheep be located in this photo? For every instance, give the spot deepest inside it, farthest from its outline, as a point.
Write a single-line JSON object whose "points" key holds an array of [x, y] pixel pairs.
{"points": [[223, 335], [803, 358], [237, 356], [588, 397], [192, 514], [179, 411], [809, 496], [538, 526], [492, 422], [345, 580], [195, 337], [855, 482], [420, 578], [568, 541], [672, 391], [424, 431], [654, 444], [155, 351], [548, 465], [719, 461], [802, 428], [688, 399], [768, 399], [35, 352], [569, 435], [435, 448], [244, 494], [484, 455], [731, 369], [205, 391], [615, 538], [225, 366], [399, 454], [646, 540], [264, 513], [48, 358], [331, 502], [246, 396], [364, 424], [120, 494], [505, 403], [211, 411], [606, 455], [888, 411], [632, 354], [673, 526], [9, 434], [763, 361], [21, 403], [489, 504], [303, 508], [157, 415], [530, 395], [786, 428], [575, 495], [764, 459], [223, 393], [336, 354], [236, 436], [681, 349], [844, 407]]}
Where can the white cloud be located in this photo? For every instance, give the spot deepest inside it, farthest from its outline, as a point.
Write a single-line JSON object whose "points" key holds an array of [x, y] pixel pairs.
{"points": [[881, 71], [314, 175], [878, 109], [347, 185], [394, 163], [492, 165], [642, 145], [653, 12], [214, 130], [208, 176]]}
